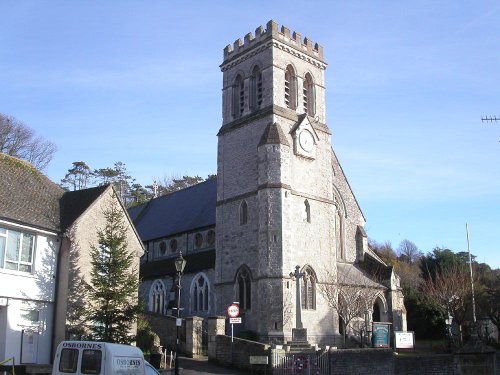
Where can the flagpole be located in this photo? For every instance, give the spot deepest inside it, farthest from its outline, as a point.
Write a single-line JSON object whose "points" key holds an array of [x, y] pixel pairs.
{"points": [[471, 278]]}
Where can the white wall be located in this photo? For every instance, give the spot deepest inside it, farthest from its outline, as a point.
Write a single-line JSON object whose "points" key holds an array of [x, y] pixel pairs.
{"points": [[29, 291]]}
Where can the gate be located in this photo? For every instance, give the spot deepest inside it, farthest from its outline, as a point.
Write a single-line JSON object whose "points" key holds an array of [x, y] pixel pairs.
{"points": [[303, 364]]}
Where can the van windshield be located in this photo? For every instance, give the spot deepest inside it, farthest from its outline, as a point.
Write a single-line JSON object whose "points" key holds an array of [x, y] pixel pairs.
{"points": [[91, 362], [69, 360]]}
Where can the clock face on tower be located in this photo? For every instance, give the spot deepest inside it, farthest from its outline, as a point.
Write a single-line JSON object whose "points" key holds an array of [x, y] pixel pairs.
{"points": [[306, 140]]}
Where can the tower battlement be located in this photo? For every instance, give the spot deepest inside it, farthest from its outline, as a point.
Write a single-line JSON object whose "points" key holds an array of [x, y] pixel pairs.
{"points": [[282, 34]]}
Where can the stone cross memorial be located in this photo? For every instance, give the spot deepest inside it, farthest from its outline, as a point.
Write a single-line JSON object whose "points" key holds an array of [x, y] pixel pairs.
{"points": [[299, 333]]}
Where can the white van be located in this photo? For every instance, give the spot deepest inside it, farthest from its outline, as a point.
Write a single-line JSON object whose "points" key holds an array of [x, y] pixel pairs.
{"points": [[94, 358]]}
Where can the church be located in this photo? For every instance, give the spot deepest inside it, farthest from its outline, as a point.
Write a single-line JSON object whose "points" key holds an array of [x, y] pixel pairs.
{"points": [[280, 200]]}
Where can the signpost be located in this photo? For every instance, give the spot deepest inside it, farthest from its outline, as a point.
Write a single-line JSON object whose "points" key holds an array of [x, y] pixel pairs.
{"points": [[233, 311]]}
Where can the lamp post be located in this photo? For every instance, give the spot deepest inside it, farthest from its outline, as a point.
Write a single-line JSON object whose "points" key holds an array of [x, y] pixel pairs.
{"points": [[180, 263]]}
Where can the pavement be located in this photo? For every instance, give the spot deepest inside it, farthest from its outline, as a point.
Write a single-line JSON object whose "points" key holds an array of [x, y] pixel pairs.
{"points": [[201, 366]]}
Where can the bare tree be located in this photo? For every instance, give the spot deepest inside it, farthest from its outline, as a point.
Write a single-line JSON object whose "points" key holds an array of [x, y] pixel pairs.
{"points": [[351, 294], [17, 139], [449, 290], [408, 252]]}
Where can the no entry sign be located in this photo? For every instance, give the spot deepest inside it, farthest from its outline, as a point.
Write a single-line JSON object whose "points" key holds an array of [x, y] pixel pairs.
{"points": [[233, 311]]}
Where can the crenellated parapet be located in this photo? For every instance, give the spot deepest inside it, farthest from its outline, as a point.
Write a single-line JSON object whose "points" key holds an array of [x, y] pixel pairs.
{"points": [[273, 31]]}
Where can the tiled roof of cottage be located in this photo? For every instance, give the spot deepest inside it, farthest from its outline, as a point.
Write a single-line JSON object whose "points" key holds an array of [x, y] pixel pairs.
{"points": [[27, 196], [74, 203], [181, 211]]}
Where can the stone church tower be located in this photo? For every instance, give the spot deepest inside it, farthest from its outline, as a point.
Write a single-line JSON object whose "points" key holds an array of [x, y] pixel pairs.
{"points": [[282, 198]]}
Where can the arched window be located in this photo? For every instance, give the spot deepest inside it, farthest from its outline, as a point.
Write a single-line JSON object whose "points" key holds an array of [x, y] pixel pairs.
{"points": [[308, 289], [200, 292], [290, 88], [211, 238], [238, 96], [244, 289], [256, 89], [339, 243], [243, 213], [376, 312], [309, 96], [307, 211], [157, 297], [198, 241]]}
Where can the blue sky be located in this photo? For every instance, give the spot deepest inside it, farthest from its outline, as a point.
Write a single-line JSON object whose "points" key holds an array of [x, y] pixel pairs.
{"points": [[407, 84]]}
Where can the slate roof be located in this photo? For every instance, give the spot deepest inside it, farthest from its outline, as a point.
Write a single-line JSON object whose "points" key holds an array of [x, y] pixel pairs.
{"points": [[273, 135], [195, 262], [181, 211], [27, 196], [351, 274]]}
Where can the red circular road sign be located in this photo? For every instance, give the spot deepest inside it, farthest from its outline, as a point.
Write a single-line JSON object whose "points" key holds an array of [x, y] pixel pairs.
{"points": [[233, 311]]}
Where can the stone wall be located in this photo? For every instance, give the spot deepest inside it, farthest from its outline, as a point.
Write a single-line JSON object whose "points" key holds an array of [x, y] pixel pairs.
{"points": [[435, 364], [237, 353]]}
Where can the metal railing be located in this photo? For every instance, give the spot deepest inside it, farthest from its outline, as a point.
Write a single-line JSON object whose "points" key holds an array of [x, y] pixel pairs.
{"points": [[2, 363]]}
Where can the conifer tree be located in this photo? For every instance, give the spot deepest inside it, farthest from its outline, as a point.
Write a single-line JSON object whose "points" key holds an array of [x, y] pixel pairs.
{"points": [[112, 293]]}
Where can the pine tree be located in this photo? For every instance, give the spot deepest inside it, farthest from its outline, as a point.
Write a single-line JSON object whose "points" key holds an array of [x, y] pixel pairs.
{"points": [[112, 293]]}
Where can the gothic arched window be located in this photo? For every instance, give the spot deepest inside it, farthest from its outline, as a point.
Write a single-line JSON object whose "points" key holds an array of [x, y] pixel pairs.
{"points": [[244, 289], [309, 95], [307, 211], [200, 291], [211, 238], [243, 213], [238, 96], [339, 243], [157, 297], [256, 89], [308, 289], [198, 241], [290, 88]]}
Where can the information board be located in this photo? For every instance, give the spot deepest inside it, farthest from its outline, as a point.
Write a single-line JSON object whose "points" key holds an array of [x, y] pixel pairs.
{"points": [[381, 334], [404, 340]]}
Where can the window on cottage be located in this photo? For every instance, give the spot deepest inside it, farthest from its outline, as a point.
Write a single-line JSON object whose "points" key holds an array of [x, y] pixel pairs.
{"points": [[307, 211], [16, 250], [256, 89], [290, 88], [308, 289], [200, 294], [309, 96], [238, 96], [198, 240], [244, 289], [157, 298], [243, 213]]}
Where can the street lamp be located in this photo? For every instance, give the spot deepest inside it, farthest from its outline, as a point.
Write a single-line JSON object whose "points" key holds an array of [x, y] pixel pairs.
{"points": [[180, 263]]}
